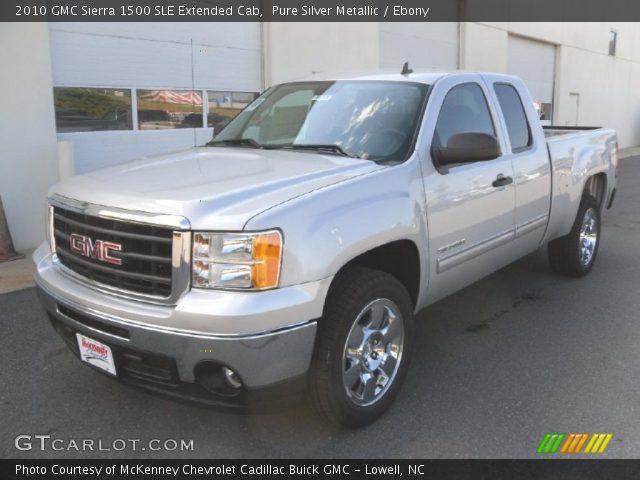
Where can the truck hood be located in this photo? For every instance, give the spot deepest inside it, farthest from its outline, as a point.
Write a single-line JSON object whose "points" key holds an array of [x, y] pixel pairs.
{"points": [[215, 188]]}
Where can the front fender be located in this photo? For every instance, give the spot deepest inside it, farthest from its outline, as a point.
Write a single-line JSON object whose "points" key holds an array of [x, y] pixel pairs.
{"points": [[325, 229]]}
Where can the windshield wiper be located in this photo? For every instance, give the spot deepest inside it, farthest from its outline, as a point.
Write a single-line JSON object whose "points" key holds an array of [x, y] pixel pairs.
{"points": [[250, 142], [317, 147]]}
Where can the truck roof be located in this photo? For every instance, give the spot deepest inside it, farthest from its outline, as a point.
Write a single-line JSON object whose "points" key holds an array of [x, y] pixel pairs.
{"points": [[428, 78]]}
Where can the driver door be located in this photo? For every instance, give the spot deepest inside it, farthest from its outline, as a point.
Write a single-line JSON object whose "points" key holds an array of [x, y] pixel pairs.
{"points": [[470, 206]]}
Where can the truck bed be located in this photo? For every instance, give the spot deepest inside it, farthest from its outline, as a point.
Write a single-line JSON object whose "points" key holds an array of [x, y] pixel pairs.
{"points": [[572, 151]]}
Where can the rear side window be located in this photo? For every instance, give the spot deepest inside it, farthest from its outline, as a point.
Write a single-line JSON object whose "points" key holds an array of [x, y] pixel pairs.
{"points": [[464, 110], [514, 115]]}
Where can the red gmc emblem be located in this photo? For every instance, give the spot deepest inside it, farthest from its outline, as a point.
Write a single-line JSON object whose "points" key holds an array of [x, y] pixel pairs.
{"points": [[98, 249]]}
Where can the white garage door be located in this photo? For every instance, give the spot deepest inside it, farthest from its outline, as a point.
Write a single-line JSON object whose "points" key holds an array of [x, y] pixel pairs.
{"points": [[425, 45], [123, 90], [534, 62]]}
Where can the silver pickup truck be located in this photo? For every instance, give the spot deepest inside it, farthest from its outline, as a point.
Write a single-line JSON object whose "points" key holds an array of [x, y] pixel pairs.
{"points": [[292, 252]]}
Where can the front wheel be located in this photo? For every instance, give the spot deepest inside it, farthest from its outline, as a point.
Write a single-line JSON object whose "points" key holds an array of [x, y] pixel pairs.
{"points": [[575, 253], [363, 348]]}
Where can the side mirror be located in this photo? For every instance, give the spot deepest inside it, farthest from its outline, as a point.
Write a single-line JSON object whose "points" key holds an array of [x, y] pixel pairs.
{"points": [[468, 148]]}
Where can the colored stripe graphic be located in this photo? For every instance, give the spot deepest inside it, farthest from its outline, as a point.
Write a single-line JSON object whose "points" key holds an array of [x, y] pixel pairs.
{"points": [[567, 443], [573, 443], [581, 442], [598, 443], [551, 442]]}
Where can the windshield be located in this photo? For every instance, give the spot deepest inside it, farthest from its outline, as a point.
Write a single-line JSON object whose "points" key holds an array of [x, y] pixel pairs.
{"points": [[367, 119]]}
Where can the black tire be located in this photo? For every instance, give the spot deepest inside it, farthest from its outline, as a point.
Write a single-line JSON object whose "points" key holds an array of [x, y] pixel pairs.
{"points": [[353, 290], [564, 252]]}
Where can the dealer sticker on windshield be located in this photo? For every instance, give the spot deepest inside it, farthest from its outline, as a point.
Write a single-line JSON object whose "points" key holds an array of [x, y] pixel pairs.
{"points": [[96, 353]]}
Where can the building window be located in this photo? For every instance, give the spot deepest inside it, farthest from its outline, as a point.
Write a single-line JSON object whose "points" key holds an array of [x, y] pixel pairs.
{"points": [[613, 42], [92, 109], [224, 106], [544, 111], [82, 109], [162, 109]]}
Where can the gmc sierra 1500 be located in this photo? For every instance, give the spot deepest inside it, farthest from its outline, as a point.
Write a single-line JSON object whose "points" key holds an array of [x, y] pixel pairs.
{"points": [[295, 248]]}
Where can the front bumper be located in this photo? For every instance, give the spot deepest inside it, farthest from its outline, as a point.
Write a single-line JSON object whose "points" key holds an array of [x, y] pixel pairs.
{"points": [[179, 338]]}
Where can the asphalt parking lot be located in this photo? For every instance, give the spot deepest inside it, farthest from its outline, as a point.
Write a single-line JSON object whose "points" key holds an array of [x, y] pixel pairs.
{"points": [[499, 364]]}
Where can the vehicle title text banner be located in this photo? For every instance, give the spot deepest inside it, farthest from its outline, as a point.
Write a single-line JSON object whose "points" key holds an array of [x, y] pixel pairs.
{"points": [[320, 10]]}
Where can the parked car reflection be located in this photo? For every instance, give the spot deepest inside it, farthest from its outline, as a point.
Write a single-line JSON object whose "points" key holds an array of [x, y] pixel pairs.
{"points": [[75, 120], [154, 120]]}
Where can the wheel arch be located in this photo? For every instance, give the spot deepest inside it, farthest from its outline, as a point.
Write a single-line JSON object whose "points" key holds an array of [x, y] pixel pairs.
{"points": [[399, 258], [596, 186]]}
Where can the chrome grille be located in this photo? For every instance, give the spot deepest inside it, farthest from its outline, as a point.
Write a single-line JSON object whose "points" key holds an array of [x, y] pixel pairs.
{"points": [[146, 253]]}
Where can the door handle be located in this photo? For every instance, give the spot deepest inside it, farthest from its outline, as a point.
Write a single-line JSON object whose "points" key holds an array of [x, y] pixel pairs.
{"points": [[502, 181]]}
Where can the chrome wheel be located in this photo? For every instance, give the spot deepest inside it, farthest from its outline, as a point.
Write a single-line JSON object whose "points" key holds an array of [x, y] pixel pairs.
{"points": [[588, 237], [372, 352]]}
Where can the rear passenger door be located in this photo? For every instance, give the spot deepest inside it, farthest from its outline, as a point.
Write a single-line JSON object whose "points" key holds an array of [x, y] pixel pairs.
{"points": [[526, 148]]}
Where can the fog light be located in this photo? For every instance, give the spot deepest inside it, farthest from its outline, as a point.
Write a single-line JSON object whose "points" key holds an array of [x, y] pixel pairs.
{"points": [[231, 377], [218, 379]]}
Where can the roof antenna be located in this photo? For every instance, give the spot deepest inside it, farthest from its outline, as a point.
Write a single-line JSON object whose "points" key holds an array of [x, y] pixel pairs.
{"points": [[405, 69]]}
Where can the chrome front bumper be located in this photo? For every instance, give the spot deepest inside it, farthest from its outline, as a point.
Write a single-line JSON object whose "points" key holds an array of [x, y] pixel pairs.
{"points": [[266, 337]]}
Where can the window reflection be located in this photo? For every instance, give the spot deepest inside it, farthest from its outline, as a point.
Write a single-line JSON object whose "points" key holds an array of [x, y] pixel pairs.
{"points": [[464, 110], [162, 109], [92, 109], [515, 116], [80, 109], [367, 119], [613, 42], [224, 106]]}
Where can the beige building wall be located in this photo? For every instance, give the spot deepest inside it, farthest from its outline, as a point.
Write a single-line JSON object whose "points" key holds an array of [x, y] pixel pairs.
{"points": [[606, 87], [294, 51], [28, 162]]}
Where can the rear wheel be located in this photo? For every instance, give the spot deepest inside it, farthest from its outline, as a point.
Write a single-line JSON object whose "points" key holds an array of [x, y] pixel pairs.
{"points": [[363, 348], [575, 253]]}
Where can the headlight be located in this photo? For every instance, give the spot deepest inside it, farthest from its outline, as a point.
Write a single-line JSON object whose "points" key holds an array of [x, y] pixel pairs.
{"points": [[237, 260]]}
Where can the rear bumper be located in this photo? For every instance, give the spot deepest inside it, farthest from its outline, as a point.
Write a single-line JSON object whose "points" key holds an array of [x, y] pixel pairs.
{"points": [[158, 356]]}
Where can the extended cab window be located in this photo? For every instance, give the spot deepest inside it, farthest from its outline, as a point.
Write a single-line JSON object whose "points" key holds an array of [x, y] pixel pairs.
{"points": [[514, 116], [464, 110]]}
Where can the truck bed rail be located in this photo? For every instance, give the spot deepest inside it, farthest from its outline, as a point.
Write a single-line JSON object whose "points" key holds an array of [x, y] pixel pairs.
{"points": [[556, 130]]}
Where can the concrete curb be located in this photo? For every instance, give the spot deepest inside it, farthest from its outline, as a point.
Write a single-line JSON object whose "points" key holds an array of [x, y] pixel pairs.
{"points": [[629, 152], [17, 274]]}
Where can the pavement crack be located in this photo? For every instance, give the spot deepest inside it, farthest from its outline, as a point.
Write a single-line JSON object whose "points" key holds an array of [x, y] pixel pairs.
{"points": [[485, 325]]}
